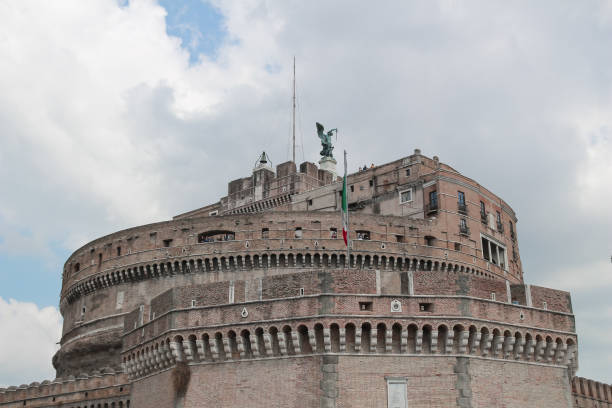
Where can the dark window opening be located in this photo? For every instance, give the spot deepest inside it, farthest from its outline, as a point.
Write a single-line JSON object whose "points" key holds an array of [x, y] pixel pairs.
{"points": [[99, 259], [352, 188], [429, 240], [363, 235], [461, 205], [457, 246], [407, 172], [216, 235], [366, 306], [399, 238], [309, 202], [118, 251], [463, 228], [371, 183], [77, 267], [426, 307], [265, 233], [167, 242], [432, 206], [512, 235], [483, 213], [500, 226], [333, 233]]}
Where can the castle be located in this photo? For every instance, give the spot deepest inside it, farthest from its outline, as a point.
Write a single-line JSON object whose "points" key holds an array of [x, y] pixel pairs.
{"points": [[252, 301]]}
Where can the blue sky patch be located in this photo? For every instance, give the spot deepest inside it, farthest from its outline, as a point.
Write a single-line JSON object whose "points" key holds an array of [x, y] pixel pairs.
{"points": [[198, 24]]}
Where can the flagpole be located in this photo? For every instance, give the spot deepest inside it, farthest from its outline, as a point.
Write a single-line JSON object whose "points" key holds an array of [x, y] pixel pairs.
{"points": [[348, 240]]}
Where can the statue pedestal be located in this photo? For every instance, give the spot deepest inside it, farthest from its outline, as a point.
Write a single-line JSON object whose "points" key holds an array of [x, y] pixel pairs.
{"points": [[328, 164]]}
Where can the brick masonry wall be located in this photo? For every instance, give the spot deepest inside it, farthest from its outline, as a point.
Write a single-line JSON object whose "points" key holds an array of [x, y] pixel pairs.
{"points": [[500, 384], [359, 382], [555, 299]]}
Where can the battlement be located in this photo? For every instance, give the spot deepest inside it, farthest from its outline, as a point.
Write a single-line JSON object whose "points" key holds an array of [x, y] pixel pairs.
{"points": [[104, 387], [588, 393]]}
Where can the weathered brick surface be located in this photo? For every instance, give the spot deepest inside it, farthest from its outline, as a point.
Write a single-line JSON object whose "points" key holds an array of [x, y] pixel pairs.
{"points": [[555, 299], [501, 384]]}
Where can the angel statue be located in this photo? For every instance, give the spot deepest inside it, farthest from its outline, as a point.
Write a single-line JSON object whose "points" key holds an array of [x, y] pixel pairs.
{"points": [[326, 140]]}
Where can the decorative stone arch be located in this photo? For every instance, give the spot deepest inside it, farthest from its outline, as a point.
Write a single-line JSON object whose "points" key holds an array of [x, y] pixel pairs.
{"points": [[304, 340]]}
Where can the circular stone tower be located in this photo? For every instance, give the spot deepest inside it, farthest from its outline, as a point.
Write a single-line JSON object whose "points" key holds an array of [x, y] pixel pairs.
{"points": [[252, 301]]}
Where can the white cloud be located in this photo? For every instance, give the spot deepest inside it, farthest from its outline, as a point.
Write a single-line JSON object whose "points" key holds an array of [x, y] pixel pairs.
{"points": [[28, 341]]}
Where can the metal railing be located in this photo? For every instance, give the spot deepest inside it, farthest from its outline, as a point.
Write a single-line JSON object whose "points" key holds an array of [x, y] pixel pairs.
{"points": [[462, 207], [432, 206]]}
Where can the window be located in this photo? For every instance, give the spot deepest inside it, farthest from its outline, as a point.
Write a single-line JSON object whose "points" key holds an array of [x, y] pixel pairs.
{"points": [[216, 235], [83, 311], [365, 306], [429, 240], [512, 235], [405, 196], [461, 197], [432, 206], [399, 238], [461, 205], [265, 233], [463, 228], [494, 252], [352, 189], [99, 259], [213, 213], [118, 251], [298, 232], [77, 267], [310, 202], [333, 233], [193, 303], [363, 235], [167, 242], [544, 305], [500, 226], [301, 291], [407, 172], [483, 213], [426, 307], [457, 246], [492, 295], [371, 183]]}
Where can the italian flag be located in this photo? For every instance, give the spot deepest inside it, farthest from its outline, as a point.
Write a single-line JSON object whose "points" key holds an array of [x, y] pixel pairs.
{"points": [[344, 206]]}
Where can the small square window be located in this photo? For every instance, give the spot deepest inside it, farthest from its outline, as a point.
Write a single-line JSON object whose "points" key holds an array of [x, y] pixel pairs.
{"points": [[309, 202], [167, 243], [492, 295], [298, 232], [352, 189], [301, 291], [457, 246], [265, 233], [193, 303], [426, 307], [429, 240], [118, 251], [366, 306], [371, 183], [544, 305], [405, 196], [399, 238], [333, 233], [407, 172]]}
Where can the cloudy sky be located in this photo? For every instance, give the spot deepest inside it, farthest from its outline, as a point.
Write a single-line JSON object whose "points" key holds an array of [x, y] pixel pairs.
{"points": [[115, 113]]}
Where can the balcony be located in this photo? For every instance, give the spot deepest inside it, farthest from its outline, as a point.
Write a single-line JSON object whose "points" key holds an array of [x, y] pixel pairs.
{"points": [[464, 230], [483, 217], [500, 227], [462, 207], [431, 207]]}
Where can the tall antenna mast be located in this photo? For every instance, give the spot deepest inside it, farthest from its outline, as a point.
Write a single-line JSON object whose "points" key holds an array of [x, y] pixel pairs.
{"points": [[294, 109]]}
